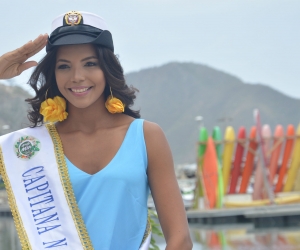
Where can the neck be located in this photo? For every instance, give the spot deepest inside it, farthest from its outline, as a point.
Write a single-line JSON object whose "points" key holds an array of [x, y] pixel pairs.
{"points": [[86, 119]]}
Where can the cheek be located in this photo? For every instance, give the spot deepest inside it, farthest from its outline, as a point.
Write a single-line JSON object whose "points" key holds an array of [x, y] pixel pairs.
{"points": [[100, 78], [97, 78], [60, 80]]}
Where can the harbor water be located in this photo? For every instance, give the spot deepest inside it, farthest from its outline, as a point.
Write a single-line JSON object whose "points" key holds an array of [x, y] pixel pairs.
{"points": [[226, 237], [230, 236]]}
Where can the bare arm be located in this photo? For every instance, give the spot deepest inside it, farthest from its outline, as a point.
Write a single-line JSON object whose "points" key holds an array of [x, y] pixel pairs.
{"points": [[14, 63], [165, 190]]}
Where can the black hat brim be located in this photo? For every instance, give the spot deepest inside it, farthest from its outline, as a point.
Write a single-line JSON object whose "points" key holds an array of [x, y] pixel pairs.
{"points": [[104, 38]]}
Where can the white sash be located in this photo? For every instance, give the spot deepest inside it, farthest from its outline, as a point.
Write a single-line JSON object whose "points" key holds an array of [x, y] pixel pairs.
{"points": [[146, 244], [45, 211], [40, 194]]}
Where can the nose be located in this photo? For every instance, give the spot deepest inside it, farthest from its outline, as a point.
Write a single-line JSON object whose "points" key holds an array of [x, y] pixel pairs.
{"points": [[77, 75]]}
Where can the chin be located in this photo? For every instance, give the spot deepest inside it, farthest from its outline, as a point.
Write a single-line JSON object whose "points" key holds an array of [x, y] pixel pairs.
{"points": [[84, 105]]}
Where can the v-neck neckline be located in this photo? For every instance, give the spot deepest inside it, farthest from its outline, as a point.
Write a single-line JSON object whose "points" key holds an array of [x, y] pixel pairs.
{"points": [[110, 162]]}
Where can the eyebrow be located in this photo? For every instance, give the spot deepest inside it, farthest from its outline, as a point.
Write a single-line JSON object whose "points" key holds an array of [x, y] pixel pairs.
{"points": [[85, 59]]}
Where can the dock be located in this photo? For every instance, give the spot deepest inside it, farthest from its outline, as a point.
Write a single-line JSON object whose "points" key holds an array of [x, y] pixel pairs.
{"points": [[4, 207], [5, 210], [262, 216]]}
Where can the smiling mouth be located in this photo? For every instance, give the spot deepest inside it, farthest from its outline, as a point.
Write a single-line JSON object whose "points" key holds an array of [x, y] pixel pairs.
{"points": [[81, 90]]}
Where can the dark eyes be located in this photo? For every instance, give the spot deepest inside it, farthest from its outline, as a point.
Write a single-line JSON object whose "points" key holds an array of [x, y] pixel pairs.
{"points": [[87, 64], [90, 64], [63, 66]]}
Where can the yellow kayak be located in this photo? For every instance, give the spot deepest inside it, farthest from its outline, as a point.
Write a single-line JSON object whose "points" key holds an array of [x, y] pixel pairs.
{"points": [[279, 201], [292, 172], [227, 156]]}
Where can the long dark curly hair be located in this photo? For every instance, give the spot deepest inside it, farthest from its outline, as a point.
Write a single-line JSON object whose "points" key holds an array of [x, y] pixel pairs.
{"points": [[43, 81]]}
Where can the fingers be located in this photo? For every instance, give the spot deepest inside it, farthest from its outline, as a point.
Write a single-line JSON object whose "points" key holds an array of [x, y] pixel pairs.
{"points": [[27, 50], [36, 45], [21, 54], [26, 66], [37, 49], [14, 63]]}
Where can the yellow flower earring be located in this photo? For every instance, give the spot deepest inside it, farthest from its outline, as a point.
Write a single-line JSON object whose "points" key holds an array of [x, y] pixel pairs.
{"points": [[113, 104], [54, 109]]}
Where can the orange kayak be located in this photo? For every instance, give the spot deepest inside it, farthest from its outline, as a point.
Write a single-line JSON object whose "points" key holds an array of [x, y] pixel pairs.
{"points": [[277, 144], [210, 173], [286, 157], [239, 152], [248, 169]]}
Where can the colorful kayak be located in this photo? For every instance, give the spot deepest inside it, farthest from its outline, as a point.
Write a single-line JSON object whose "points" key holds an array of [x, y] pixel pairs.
{"points": [[214, 241], [239, 152], [258, 179], [248, 168], [297, 181], [279, 201], [210, 173], [227, 155], [203, 137], [268, 190], [217, 137], [290, 133], [292, 173], [276, 150]]}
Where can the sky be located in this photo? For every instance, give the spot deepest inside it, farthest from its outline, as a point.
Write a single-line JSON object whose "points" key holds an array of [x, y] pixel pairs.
{"points": [[255, 40]]}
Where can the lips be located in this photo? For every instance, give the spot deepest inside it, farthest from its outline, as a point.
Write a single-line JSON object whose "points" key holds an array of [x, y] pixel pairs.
{"points": [[80, 89]]}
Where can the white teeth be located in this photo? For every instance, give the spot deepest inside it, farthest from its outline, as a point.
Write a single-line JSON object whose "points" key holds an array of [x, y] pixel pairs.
{"points": [[79, 90]]}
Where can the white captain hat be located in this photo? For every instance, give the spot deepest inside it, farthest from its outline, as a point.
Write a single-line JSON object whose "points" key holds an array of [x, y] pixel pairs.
{"points": [[79, 27]]}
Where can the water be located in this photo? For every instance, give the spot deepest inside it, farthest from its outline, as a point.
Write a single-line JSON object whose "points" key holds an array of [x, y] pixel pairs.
{"points": [[229, 237], [246, 238], [242, 237]]}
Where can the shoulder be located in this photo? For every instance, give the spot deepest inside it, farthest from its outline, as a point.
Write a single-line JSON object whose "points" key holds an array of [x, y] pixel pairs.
{"points": [[155, 139], [21, 131], [152, 129]]}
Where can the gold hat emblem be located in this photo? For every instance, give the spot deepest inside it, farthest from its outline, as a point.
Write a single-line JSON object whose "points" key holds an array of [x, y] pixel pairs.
{"points": [[73, 18]]}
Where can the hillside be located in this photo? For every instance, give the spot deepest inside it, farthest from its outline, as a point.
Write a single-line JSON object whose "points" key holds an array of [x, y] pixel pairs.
{"points": [[172, 95], [13, 107]]}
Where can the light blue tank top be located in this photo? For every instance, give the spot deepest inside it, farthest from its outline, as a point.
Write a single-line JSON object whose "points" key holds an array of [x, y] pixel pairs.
{"points": [[113, 202]]}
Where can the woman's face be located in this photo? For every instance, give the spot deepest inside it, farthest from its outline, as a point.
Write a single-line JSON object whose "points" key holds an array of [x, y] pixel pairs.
{"points": [[78, 75]]}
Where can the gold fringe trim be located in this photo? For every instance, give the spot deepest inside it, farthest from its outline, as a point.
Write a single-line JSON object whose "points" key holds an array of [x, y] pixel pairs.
{"points": [[147, 231], [68, 190], [13, 207]]}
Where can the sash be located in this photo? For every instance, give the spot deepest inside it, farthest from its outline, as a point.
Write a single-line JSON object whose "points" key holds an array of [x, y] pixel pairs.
{"points": [[40, 193]]}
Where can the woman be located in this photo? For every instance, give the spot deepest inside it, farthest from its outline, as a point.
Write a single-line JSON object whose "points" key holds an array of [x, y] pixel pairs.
{"points": [[105, 156]]}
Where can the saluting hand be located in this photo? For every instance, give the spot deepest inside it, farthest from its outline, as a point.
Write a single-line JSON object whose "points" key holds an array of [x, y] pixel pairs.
{"points": [[14, 63]]}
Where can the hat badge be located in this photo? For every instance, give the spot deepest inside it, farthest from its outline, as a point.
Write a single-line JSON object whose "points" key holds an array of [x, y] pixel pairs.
{"points": [[73, 18]]}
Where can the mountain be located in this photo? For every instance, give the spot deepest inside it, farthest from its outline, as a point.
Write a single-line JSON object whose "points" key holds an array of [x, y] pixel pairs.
{"points": [[13, 108], [172, 95]]}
